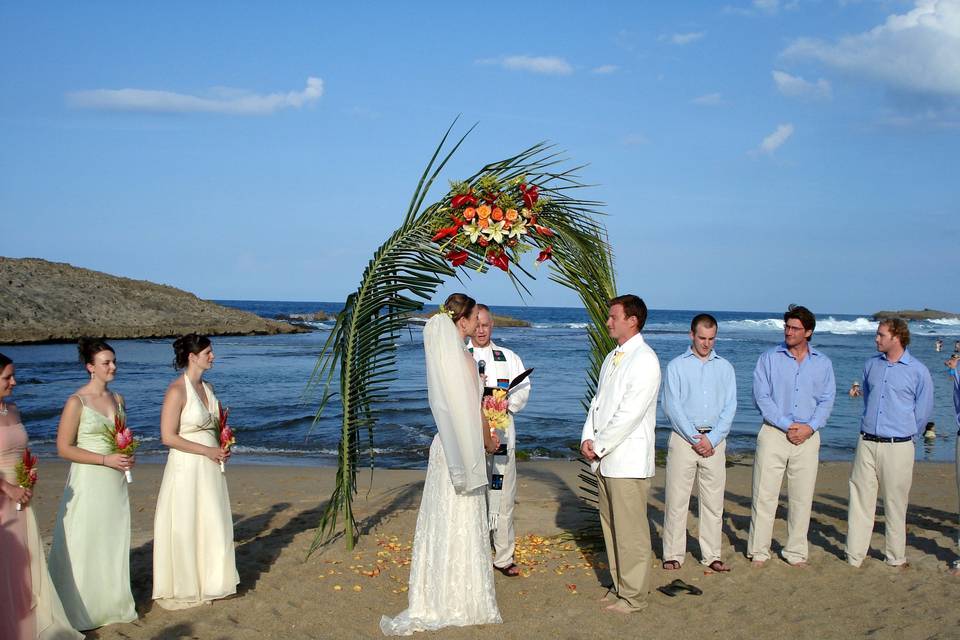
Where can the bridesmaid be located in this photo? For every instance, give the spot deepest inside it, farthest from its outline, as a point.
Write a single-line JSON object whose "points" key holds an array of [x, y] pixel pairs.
{"points": [[193, 554], [29, 605], [90, 558]]}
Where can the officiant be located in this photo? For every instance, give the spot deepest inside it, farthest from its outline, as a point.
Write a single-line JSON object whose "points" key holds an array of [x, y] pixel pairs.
{"points": [[498, 367]]}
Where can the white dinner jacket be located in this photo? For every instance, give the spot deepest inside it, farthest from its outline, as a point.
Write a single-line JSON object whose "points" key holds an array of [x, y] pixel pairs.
{"points": [[623, 413]]}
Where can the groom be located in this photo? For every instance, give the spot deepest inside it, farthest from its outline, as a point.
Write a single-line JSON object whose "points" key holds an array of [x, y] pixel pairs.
{"points": [[618, 440]]}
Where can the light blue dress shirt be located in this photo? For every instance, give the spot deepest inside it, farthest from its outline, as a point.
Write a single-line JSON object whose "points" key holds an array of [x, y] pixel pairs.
{"points": [[786, 391], [700, 393], [897, 396]]}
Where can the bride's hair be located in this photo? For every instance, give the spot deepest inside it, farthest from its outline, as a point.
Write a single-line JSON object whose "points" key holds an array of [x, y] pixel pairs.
{"points": [[460, 305]]}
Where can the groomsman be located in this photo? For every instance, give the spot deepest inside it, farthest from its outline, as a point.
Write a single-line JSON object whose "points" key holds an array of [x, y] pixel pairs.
{"points": [[700, 399], [794, 389], [618, 440], [897, 403], [500, 367]]}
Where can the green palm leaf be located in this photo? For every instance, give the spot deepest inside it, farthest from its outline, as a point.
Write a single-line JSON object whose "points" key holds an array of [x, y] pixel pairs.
{"points": [[357, 363]]}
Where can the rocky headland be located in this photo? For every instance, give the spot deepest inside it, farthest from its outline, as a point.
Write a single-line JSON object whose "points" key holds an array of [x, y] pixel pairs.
{"points": [[42, 301]]}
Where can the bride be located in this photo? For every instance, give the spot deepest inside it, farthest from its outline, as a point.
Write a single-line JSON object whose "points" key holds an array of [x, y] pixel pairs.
{"points": [[451, 573]]}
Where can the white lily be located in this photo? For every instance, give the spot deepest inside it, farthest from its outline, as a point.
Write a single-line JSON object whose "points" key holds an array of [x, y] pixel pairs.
{"points": [[518, 229], [494, 232], [473, 231]]}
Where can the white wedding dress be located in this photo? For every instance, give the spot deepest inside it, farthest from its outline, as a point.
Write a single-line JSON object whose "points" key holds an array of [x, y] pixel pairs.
{"points": [[451, 571]]}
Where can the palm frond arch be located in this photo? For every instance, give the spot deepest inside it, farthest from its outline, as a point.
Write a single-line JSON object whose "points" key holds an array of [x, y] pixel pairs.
{"points": [[357, 363]]}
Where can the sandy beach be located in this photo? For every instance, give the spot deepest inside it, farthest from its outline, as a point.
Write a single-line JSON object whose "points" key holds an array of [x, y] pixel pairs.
{"points": [[341, 594]]}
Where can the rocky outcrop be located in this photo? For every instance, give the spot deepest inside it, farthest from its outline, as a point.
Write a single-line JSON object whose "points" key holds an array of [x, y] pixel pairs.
{"points": [[915, 314], [43, 301]]}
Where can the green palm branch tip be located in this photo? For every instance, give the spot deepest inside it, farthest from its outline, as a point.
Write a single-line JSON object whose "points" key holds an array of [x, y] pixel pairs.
{"points": [[357, 362]]}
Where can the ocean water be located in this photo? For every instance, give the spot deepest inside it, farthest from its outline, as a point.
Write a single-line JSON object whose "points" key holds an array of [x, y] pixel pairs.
{"points": [[262, 379]]}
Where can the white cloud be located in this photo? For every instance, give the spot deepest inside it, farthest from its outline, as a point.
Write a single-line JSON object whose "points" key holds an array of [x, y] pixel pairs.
{"points": [[218, 100], [684, 38], [797, 87], [548, 65], [605, 69], [633, 139], [774, 141], [709, 100], [915, 52]]}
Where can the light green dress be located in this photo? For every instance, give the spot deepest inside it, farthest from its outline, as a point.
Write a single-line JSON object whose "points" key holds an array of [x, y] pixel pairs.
{"points": [[90, 557]]}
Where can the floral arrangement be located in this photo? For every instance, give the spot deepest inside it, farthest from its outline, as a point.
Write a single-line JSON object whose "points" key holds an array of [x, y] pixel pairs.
{"points": [[227, 438], [26, 472], [495, 408], [493, 219], [120, 438]]}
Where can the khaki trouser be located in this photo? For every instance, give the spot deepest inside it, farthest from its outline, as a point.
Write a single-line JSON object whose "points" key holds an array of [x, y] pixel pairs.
{"points": [[626, 534], [887, 467], [775, 454], [683, 466]]}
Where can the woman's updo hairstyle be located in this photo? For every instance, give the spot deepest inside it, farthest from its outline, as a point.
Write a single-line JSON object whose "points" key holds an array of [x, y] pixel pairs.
{"points": [[185, 345], [89, 347], [459, 305]]}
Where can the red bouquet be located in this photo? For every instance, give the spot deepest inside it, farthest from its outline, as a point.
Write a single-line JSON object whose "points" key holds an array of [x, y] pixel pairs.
{"points": [[26, 472], [227, 438]]}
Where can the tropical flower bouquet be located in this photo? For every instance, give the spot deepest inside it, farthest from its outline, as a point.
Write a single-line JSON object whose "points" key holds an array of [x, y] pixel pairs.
{"points": [[120, 438], [493, 219], [26, 472], [227, 438], [495, 408]]}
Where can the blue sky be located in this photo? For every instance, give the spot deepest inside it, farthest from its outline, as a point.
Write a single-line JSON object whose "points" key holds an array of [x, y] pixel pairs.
{"points": [[750, 155]]}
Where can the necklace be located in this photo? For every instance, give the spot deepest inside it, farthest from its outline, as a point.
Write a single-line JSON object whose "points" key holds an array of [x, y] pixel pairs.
{"points": [[3, 409]]}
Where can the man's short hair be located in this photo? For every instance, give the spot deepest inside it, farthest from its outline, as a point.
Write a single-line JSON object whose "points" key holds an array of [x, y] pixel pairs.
{"points": [[898, 327], [804, 315], [632, 306], [483, 307], [704, 319]]}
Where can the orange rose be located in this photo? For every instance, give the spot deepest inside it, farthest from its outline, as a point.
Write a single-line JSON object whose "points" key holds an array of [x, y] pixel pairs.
{"points": [[512, 214], [469, 213], [497, 214], [483, 223], [483, 212]]}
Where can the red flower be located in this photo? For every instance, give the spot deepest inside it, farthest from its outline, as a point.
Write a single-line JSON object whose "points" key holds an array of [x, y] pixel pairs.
{"points": [[546, 254], [463, 200], [458, 257], [544, 231], [29, 461], [227, 438], [530, 194], [446, 231], [499, 259]]}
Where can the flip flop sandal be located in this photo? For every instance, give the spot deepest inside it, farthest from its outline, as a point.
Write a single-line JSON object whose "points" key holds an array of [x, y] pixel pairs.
{"points": [[511, 570], [671, 565], [717, 566], [678, 586]]}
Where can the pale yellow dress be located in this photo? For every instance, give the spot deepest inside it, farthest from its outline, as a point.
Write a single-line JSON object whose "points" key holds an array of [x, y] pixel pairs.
{"points": [[90, 557], [193, 553]]}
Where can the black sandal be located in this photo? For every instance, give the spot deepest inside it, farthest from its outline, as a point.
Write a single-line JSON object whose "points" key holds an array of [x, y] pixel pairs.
{"points": [[511, 570], [678, 586]]}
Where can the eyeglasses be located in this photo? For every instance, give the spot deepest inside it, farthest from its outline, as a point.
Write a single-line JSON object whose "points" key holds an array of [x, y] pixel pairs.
{"points": [[789, 328]]}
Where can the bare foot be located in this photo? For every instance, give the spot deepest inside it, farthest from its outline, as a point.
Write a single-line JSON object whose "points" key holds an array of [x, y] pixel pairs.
{"points": [[803, 564], [671, 565], [719, 566], [758, 564], [954, 572]]}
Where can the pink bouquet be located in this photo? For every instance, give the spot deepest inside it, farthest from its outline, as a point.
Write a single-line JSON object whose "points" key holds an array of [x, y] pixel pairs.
{"points": [[26, 472], [120, 438]]}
